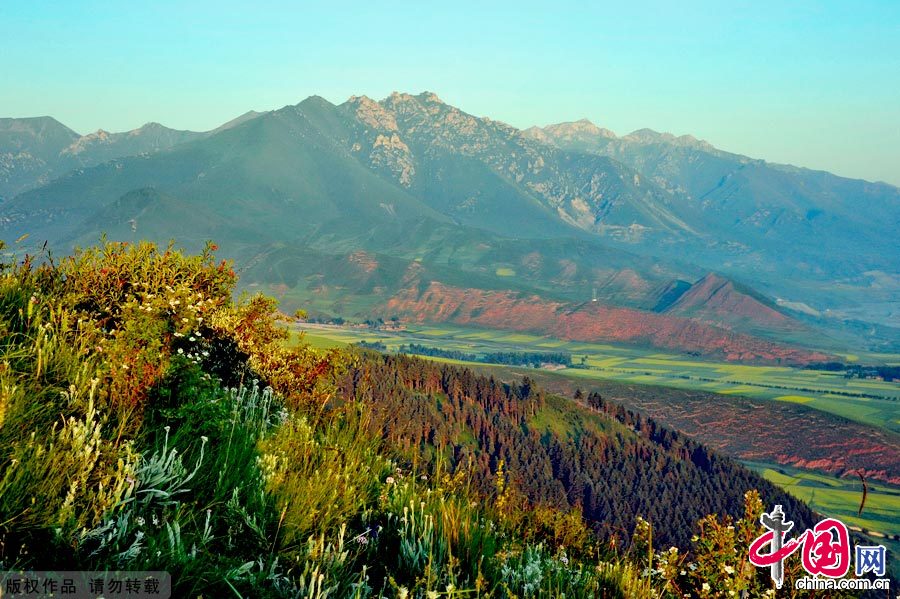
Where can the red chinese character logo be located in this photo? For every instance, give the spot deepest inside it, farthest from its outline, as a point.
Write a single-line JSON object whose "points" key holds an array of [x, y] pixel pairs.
{"points": [[823, 553], [826, 547]]}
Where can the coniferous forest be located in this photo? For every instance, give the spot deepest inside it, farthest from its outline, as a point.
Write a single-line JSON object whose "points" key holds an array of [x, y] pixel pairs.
{"points": [[607, 462]]}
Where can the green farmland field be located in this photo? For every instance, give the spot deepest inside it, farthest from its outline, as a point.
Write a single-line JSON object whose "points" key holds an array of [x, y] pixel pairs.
{"points": [[839, 497]]}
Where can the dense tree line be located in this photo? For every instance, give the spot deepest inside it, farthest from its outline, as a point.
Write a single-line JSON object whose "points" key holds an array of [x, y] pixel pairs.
{"points": [[612, 463], [509, 358], [374, 345], [533, 359], [888, 373]]}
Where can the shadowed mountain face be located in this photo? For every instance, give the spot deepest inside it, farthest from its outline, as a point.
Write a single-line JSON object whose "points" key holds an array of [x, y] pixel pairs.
{"points": [[396, 194], [103, 146], [34, 151], [29, 152]]}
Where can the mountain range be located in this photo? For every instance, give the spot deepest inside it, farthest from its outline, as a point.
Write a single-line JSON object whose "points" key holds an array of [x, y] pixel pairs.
{"points": [[414, 208]]}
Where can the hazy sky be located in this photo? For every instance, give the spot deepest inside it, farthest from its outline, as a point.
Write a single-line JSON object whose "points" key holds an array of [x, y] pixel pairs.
{"points": [[815, 84]]}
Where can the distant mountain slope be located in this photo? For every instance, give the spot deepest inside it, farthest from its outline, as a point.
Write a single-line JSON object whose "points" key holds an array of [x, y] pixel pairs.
{"points": [[486, 173], [298, 176], [590, 321], [102, 146], [406, 156], [33, 151], [41, 137], [271, 178], [782, 226], [719, 300], [29, 151]]}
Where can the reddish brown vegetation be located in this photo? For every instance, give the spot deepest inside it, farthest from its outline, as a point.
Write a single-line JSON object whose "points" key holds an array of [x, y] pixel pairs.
{"points": [[588, 322], [715, 299], [365, 261]]}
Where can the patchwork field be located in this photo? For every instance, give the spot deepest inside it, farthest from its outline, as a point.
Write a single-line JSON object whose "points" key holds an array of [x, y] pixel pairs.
{"points": [[839, 497]]}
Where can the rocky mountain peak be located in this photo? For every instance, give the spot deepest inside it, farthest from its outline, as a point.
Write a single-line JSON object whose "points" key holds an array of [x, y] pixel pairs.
{"points": [[407, 105], [372, 114], [651, 136], [426, 97], [85, 141], [416, 110], [430, 97], [583, 131], [148, 127], [361, 99], [537, 133], [582, 127]]}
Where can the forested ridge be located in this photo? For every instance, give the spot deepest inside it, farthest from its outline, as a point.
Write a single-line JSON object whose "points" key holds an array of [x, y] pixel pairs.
{"points": [[611, 463]]}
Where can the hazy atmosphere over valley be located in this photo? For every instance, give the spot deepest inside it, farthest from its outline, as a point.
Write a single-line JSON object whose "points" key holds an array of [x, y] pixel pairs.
{"points": [[500, 301]]}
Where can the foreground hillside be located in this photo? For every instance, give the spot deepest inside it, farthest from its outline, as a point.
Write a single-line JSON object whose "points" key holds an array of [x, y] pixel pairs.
{"points": [[148, 422]]}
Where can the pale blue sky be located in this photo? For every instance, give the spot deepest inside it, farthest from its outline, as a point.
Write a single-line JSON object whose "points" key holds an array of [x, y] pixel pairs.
{"points": [[810, 83]]}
